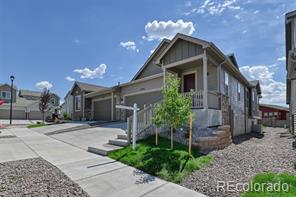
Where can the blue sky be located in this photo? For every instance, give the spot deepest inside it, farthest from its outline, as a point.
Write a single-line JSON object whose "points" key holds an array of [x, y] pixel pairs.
{"points": [[102, 42]]}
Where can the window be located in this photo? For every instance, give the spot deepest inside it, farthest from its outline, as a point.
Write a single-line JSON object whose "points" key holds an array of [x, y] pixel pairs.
{"points": [[275, 114], [77, 103], [238, 92], [265, 114], [52, 101], [226, 83], [270, 114], [5, 94]]}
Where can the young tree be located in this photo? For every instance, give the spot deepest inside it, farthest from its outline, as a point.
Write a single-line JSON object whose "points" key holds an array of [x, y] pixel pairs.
{"points": [[174, 111], [44, 102]]}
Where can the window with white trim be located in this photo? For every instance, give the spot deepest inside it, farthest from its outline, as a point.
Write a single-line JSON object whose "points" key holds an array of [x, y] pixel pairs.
{"points": [[226, 83], [77, 103], [5, 95]]}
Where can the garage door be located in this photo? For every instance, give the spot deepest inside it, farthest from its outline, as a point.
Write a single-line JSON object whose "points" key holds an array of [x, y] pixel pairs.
{"points": [[16, 114], [142, 99], [102, 110], [35, 115]]}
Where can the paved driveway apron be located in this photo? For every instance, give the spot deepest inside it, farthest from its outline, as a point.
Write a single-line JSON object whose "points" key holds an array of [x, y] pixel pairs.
{"points": [[97, 175]]}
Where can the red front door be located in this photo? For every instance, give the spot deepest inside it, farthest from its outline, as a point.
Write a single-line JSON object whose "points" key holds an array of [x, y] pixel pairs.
{"points": [[189, 82]]}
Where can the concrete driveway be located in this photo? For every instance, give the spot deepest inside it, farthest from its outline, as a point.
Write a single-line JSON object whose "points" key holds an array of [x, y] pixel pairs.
{"points": [[94, 137], [97, 175]]}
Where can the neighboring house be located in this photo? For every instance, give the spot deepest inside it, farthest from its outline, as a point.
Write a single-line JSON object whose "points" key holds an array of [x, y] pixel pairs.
{"points": [[291, 66], [67, 106], [25, 104], [81, 105], [222, 95], [274, 115], [5, 93]]}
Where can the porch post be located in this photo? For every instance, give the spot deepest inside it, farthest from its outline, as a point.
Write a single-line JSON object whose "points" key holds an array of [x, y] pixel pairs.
{"points": [[164, 75], [92, 110], [112, 106], [205, 80]]}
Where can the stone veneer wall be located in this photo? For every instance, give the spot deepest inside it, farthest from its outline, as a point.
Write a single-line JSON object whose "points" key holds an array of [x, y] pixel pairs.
{"points": [[220, 141], [225, 110]]}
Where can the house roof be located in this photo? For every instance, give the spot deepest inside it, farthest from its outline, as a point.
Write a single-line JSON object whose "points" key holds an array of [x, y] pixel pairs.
{"points": [[155, 52], [32, 93], [278, 107], [256, 84], [232, 59], [87, 87], [3, 84]]}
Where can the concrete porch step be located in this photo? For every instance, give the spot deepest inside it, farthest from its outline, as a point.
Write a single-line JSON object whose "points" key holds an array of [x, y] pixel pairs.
{"points": [[118, 142], [122, 137], [104, 150]]}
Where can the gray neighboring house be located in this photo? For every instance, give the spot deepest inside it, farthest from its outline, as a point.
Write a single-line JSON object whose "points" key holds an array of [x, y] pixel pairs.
{"points": [[25, 104], [67, 106], [291, 66], [82, 105], [222, 95]]}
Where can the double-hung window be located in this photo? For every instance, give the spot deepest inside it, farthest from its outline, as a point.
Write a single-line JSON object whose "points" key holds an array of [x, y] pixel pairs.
{"points": [[5, 95], [77, 103]]}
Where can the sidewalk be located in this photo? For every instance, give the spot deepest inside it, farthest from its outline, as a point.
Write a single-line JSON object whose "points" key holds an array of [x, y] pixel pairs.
{"points": [[98, 175]]}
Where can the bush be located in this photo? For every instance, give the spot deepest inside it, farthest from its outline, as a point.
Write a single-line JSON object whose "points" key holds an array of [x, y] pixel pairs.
{"points": [[56, 121]]}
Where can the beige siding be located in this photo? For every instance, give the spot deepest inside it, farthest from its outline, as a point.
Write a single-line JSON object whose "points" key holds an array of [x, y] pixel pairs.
{"points": [[142, 99], [148, 85], [181, 50]]}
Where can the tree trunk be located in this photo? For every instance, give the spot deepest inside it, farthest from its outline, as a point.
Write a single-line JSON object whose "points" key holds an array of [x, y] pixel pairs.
{"points": [[172, 138]]}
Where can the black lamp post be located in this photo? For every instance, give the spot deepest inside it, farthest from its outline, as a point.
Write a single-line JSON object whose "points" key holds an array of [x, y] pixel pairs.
{"points": [[11, 96]]}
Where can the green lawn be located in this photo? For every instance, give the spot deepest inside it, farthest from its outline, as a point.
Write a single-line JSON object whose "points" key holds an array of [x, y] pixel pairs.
{"points": [[36, 125], [273, 178], [161, 161]]}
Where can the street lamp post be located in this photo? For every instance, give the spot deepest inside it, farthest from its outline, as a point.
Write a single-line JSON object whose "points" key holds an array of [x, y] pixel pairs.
{"points": [[11, 96]]}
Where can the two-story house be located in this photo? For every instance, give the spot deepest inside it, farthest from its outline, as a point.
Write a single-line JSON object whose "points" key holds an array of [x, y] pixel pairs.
{"points": [[291, 66], [25, 103]]}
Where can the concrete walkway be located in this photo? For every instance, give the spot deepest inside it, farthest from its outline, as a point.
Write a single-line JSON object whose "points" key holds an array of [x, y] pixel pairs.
{"points": [[97, 175]]}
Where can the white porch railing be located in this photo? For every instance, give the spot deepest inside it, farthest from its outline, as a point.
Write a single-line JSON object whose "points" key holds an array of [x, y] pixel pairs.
{"points": [[197, 98], [144, 119]]}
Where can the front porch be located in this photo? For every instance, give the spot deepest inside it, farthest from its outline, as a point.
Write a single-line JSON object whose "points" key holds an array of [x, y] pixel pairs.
{"points": [[200, 77]]}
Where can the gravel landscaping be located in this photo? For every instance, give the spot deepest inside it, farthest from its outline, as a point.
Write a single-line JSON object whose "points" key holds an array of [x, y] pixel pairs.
{"points": [[242, 160], [35, 177]]}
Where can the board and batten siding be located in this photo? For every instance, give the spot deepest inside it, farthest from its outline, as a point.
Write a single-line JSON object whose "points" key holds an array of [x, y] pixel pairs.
{"points": [[152, 68], [181, 50]]}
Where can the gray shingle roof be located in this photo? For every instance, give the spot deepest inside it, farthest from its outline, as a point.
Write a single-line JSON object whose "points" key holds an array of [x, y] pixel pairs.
{"points": [[29, 93], [2, 84], [89, 87]]}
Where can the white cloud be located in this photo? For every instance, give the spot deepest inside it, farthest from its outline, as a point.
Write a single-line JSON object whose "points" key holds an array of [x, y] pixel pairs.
{"points": [[215, 7], [87, 73], [158, 30], [129, 45], [70, 78], [282, 59], [76, 41], [43, 85], [188, 3], [273, 92]]}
